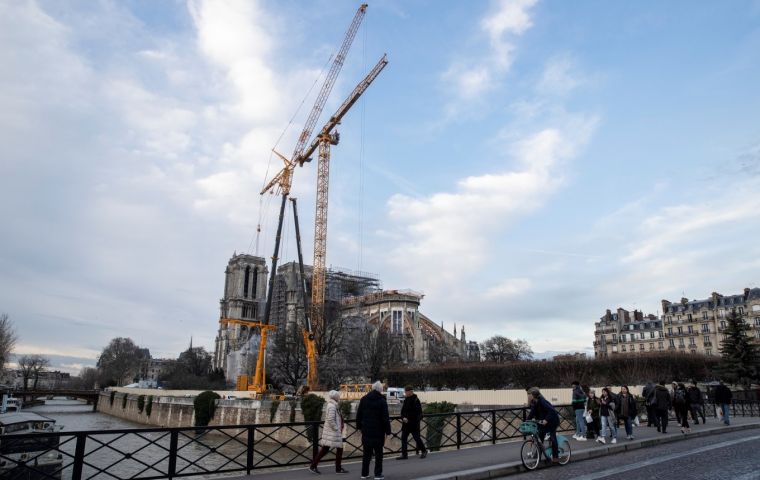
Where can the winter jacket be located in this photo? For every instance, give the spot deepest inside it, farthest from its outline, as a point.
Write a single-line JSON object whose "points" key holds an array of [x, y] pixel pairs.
{"points": [[680, 398], [579, 398], [411, 410], [662, 398], [628, 407], [332, 430], [608, 407], [648, 393], [695, 396], [723, 394], [541, 409], [372, 419], [593, 406]]}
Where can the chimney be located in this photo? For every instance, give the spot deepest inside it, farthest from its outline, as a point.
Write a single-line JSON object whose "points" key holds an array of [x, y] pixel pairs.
{"points": [[665, 305], [746, 294]]}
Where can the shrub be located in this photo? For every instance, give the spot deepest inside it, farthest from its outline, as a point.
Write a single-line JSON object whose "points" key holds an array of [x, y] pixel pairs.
{"points": [[140, 403], [113, 395], [344, 407], [311, 406], [149, 406], [124, 402], [205, 406], [435, 425]]}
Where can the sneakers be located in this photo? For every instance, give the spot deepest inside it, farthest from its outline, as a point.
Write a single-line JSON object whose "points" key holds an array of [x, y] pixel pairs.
{"points": [[581, 439], [601, 440], [614, 440], [423, 454], [379, 477], [575, 437], [315, 471], [365, 476]]}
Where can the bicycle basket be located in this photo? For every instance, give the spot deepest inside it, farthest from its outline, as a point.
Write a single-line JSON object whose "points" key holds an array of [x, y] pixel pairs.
{"points": [[529, 427]]}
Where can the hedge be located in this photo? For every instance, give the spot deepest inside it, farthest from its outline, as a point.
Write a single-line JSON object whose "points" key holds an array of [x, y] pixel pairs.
{"points": [[205, 406]]}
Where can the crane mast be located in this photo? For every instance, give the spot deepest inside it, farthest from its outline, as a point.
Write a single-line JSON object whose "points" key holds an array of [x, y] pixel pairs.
{"points": [[323, 141]]}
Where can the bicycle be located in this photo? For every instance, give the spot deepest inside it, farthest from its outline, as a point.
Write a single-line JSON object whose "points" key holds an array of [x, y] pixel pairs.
{"points": [[533, 447]]}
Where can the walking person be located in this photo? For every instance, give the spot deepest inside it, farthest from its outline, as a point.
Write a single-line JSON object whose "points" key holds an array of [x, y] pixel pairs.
{"points": [[608, 417], [579, 406], [696, 403], [681, 406], [411, 416], [373, 421], [674, 389], [662, 406], [723, 397], [547, 418], [628, 410], [649, 401], [592, 408], [332, 435]]}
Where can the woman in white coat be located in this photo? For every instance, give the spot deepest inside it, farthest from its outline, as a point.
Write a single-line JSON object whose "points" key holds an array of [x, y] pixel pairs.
{"points": [[332, 434]]}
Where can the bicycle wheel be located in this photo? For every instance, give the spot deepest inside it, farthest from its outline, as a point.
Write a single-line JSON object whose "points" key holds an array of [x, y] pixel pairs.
{"points": [[564, 451], [530, 454]]}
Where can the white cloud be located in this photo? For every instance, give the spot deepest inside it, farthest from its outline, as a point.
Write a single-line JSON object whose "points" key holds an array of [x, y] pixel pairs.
{"points": [[509, 288], [560, 76]]}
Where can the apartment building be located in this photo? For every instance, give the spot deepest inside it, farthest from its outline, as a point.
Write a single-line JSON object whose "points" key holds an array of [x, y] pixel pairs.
{"points": [[624, 332], [697, 326]]}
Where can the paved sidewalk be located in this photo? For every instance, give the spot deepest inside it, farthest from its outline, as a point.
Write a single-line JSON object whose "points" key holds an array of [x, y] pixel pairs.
{"points": [[493, 461]]}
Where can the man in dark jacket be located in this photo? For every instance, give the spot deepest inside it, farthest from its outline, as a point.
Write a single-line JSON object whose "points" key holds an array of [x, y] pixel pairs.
{"points": [[649, 401], [661, 406], [373, 421], [579, 407], [411, 416], [723, 397], [547, 417], [696, 403]]}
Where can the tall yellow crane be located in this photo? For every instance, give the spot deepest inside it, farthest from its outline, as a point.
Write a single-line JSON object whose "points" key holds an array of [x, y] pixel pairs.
{"points": [[283, 181]]}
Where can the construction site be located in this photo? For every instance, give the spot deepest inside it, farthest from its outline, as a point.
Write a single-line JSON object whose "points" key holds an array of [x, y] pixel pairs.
{"points": [[312, 324]]}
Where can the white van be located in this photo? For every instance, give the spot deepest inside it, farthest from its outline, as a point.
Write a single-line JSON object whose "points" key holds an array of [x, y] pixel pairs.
{"points": [[394, 395]]}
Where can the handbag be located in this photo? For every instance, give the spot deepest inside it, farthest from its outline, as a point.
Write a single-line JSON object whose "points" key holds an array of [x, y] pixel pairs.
{"points": [[589, 418]]}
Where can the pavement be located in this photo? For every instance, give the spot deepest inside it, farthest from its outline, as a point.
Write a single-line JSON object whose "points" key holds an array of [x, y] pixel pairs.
{"points": [[503, 459]]}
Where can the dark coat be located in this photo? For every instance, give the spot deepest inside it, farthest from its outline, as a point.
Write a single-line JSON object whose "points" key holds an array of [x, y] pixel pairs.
{"points": [[541, 409], [695, 395], [593, 406], [412, 411], [632, 407], [372, 418], [723, 394], [648, 393], [579, 398], [662, 398]]}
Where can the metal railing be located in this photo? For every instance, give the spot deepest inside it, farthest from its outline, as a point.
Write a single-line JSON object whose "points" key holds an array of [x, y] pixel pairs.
{"points": [[153, 453], [157, 453]]}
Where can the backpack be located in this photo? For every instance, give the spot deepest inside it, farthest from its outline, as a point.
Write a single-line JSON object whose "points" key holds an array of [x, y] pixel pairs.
{"points": [[680, 397]]}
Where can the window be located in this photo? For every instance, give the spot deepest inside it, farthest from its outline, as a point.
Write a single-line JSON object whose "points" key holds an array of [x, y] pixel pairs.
{"points": [[672, 342], [757, 321], [705, 328], [741, 310], [660, 333], [622, 348], [622, 338], [722, 324], [670, 330], [680, 330], [245, 281], [660, 345], [651, 334], [721, 313], [642, 335], [706, 339], [641, 347], [678, 317], [708, 352], [670, 319], [691, 329], [692, 342], [689, 317], [704, 315], [397, 325], [651, 346], [681, 342], [614, 337]]}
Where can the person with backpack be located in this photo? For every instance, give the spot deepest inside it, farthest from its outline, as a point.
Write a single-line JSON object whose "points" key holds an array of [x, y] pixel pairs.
{"points": [[579, 406], [681, 406], [607, 414], [696, 403], [723, 397], [662, 406], [649, 401]]}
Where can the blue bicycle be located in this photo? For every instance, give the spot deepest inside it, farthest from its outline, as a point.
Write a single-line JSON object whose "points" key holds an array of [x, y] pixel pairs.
{"points": [[533, 447]]}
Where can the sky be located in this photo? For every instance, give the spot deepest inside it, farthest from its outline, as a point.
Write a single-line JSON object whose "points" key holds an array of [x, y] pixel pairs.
{"points": [[525, 164]]}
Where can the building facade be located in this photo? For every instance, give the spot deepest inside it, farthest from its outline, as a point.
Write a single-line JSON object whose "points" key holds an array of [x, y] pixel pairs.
{"points": [[625, 332], [697, 326]]}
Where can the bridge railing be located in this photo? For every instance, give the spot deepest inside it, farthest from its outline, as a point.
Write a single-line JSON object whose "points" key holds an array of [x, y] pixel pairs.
{"points": [[157, 453]]}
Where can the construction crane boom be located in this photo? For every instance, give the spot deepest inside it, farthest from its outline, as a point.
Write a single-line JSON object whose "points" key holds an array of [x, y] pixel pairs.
{"points": [[323, 141]]}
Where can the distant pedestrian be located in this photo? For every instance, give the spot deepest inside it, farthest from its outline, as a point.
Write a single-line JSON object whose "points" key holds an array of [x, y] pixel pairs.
{"points": [[547, 418], [681, 406], [592, 408], [579, 406], [723, 397], [608, 417], [614, 397], [332, 435], [649, 401], [411, 416], [673, 389], [373, 421], [696, 403], [628, 410], [662, 406]]}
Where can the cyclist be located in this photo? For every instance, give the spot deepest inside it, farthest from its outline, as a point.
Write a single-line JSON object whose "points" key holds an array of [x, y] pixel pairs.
{"points": [[546, 417]]}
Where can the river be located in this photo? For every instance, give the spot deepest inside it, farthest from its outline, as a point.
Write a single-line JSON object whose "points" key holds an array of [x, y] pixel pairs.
{"points": [[75, 415]]}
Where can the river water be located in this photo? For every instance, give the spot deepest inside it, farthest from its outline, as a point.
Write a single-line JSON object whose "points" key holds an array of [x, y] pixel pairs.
{"points": [[75, 415]]}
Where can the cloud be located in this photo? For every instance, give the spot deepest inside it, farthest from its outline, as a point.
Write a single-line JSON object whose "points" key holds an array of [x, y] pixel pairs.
{"points": [[560, 76], [509, 288]]}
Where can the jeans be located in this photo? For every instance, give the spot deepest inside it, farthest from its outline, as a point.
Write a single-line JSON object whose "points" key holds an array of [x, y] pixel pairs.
{"points": [[628, 426], [726, 407], [580, 422], [551, 429], [610, 427], [368, 452]]}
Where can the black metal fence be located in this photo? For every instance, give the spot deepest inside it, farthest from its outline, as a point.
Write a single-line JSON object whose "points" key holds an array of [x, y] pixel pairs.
{"points": [[154, 453]]}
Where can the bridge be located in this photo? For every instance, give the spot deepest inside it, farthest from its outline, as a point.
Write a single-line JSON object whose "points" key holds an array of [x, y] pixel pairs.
{"points": [[470, 444], [91, 396]]}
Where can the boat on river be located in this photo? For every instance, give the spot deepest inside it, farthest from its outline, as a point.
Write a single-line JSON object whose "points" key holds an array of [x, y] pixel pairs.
{"points": [[31, 458]]}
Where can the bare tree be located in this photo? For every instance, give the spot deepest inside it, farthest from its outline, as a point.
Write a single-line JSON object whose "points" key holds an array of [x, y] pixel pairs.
{"points": [[31, 366], [7, 339], [289, 363], [121, 360], [378, 351], [500, 349]]}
